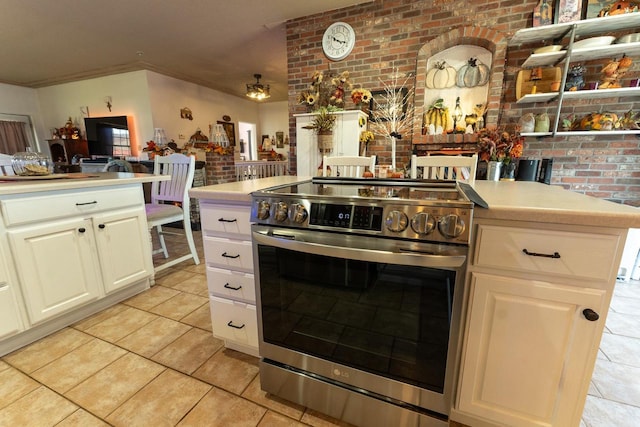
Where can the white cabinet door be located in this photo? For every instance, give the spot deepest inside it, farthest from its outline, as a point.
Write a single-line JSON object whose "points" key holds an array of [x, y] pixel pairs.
{"points": [[10, 322], [57, 265], [123, 248], [529, 350]]}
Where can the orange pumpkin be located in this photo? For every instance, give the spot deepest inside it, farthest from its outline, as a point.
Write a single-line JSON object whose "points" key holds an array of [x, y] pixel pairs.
{"points": [[597, 121], [625, 62]]}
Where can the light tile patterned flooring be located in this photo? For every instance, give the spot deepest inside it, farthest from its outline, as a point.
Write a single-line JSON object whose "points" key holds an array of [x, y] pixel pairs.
{"points": [[152, 360], [148, 361]]}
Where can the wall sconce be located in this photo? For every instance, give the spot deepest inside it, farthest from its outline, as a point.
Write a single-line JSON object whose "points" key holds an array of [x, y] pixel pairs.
{"points": [[107, 100]]}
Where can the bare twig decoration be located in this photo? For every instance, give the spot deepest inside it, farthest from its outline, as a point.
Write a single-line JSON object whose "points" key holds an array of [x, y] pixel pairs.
{"points": [[391, 116]]}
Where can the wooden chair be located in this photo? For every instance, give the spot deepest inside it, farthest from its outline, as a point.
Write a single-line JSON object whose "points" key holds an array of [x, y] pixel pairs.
{"points": [[165, 197], [347, 166], [6, 168], [459, 168]]}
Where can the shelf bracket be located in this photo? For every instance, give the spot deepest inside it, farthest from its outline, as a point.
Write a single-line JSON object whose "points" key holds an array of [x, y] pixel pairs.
{"points": [[556, 121]]}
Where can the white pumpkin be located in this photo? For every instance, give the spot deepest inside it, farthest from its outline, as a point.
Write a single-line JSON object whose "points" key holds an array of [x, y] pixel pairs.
{"points": [[473, 73], [441, 76]]}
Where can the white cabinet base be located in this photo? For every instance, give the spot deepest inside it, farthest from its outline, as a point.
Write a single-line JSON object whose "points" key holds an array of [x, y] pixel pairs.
{"points": [[35, 333]]}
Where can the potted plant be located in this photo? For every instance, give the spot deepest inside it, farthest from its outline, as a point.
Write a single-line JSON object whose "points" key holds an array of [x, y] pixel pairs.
{"points": [[323, 123]]}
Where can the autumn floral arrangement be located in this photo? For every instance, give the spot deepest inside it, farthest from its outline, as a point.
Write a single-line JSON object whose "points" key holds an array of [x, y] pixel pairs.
{"points": [[361, 97], [499, 145], [325, 91]]}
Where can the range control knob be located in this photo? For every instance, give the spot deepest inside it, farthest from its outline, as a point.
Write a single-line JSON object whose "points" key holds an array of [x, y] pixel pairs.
{"points": [[396, 221], [263, 209], [299, 213], [451, 225], [281, 212], [423, 223]]}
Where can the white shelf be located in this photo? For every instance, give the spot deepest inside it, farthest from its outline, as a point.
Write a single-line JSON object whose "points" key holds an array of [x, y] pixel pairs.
{"points": [[580, 94], [579, 55], [537, 97], [581, 133], [586, 27], [602, 93]]}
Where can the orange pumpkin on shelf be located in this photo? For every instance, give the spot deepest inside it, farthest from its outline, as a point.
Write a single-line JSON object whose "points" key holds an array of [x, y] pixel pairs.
{"points": [[597, 121]]}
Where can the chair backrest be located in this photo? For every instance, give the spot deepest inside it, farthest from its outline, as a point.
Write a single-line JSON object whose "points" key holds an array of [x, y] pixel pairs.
{"points": [[118, 166], [347, 166], [181, 168], [459, 168], [6, 168]]}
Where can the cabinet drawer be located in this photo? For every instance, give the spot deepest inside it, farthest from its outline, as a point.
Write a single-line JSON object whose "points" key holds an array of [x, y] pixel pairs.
{"points": [[225, 219], [234, 285], [63, 204], [588, 256], [234, 321], [228, 253]]}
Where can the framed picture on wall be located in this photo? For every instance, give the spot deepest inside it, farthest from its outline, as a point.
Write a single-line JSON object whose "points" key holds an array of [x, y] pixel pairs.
{"points": [[230, 129], [568, 10], [379, 108], [279, 139]]}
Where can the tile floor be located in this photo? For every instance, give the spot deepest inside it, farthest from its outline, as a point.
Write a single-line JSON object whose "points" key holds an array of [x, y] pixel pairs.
{"points": [[152, 360]]}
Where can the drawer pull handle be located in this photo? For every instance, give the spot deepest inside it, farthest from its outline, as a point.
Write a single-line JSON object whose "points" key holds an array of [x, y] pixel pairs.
{"points": [[230, 256], [590, 315], [101, 226], [234, 326], [87, 203], [81, 230], [228, 286], [553, 255], [227, 220]]}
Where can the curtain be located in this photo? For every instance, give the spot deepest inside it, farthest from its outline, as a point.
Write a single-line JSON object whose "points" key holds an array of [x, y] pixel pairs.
{"points": [[13, 137]]}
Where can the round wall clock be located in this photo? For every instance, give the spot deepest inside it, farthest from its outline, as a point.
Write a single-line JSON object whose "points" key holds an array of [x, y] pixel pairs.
{"points": [[338, 41]]}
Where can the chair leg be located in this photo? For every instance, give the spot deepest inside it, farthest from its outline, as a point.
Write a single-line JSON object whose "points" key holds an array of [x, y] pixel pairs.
{"points": [[189, 235], [163, 246]]}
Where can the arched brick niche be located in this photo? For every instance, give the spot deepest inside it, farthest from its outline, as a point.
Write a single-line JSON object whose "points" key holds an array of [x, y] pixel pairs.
{"points": [[493, 41]]}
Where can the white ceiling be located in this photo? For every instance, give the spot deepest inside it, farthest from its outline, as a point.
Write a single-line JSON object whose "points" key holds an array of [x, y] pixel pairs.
{"points": [[213, 43]]}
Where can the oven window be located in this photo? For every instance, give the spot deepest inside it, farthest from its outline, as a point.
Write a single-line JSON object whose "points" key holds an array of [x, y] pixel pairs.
{"points": [[386, 319]]}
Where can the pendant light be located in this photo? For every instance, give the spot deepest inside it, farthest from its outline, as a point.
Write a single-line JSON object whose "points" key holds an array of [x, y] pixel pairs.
{"points": [[257, 90]]}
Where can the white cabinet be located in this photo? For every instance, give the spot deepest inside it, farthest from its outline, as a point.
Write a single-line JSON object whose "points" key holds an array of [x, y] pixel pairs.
{"points": [[10, 319], [526, 352], [229, 257], [57, 266], [71, 248], [537, 303], [346, 139], [588, 27]]}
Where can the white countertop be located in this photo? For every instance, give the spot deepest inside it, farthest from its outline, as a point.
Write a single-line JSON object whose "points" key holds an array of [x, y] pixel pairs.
{"points": [[533, 201], [240, 191], [77, 180], [508, 200]]}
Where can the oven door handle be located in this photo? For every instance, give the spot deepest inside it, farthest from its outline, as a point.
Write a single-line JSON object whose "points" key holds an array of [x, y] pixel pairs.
{"points": [[398, 255]]}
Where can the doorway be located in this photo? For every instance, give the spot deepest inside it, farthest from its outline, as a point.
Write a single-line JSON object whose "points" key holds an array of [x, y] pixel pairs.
{"points": [[248, 141]]}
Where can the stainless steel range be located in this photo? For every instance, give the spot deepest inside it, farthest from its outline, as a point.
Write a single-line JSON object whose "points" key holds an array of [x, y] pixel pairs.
{"points": [[360, 287]]}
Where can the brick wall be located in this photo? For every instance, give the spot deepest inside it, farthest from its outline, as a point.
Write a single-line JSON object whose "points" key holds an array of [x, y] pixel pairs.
{"points": [[220, 169], [391, 33]]}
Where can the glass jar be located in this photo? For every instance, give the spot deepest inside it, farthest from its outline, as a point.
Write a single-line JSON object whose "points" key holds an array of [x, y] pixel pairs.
{"points": [[31, 163]]}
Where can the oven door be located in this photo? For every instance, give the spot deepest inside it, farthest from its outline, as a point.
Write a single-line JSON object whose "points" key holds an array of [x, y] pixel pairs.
{"points": [[377, 315]]}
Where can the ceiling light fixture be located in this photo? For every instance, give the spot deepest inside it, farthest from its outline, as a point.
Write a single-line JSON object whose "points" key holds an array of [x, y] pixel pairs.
{"points": [[257, 90]]}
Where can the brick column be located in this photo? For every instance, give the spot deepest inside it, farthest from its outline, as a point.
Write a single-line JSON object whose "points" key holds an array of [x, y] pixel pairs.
{"points": [[220, 169]]}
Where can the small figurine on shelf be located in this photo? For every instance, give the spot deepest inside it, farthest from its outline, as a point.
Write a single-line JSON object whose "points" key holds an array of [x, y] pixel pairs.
{"points": [[613, 71]]}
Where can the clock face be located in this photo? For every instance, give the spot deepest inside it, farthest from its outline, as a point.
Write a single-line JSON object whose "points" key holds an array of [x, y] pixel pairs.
{"points": [[338, 41]]}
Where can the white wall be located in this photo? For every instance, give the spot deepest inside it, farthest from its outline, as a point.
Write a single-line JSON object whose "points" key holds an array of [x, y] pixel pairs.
{"points": [[274, 117], [129, 93], [24, 101], [152, 99], [168, 95]]}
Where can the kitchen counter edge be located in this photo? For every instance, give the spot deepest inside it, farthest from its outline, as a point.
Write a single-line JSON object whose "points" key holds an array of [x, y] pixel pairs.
{"points": [[514, 201], [78, 181]]}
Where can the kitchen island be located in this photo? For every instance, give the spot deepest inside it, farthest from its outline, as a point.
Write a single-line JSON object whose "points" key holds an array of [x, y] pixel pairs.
{"points": [[540, 274], [70, 246]]}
